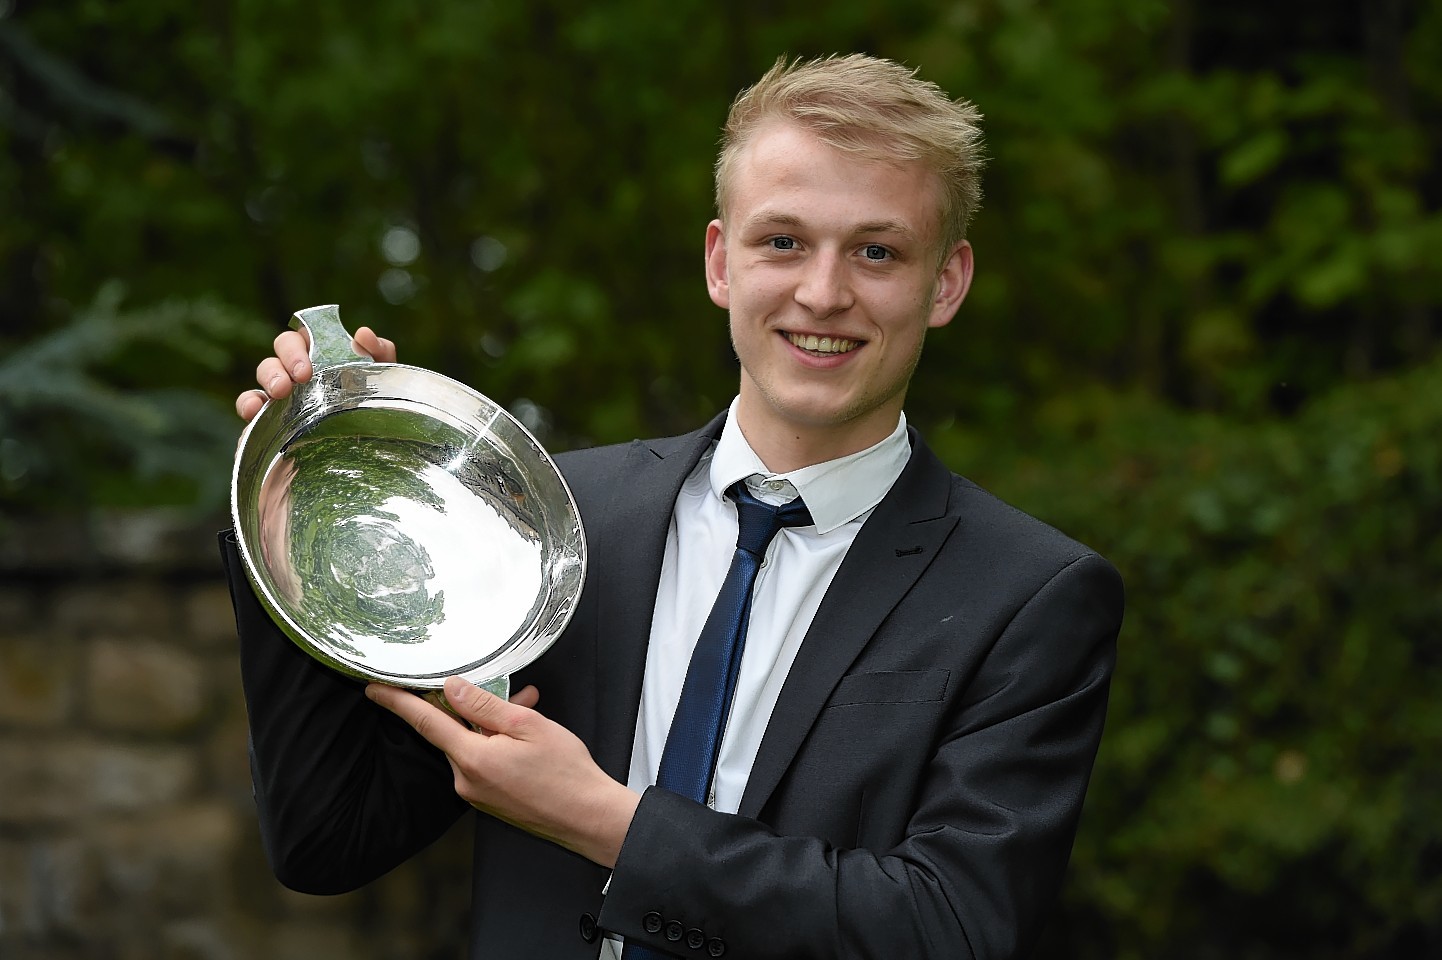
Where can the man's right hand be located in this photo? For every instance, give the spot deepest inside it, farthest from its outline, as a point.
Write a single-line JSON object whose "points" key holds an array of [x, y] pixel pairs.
{"points": [[278, 374]]}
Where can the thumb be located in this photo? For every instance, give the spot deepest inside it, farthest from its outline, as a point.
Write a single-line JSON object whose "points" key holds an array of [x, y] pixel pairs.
{"points": [[380, 349], [482, 708]]}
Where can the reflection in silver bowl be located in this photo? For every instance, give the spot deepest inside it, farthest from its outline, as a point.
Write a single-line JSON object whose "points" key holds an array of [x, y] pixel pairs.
{"points": [[402, 527]]}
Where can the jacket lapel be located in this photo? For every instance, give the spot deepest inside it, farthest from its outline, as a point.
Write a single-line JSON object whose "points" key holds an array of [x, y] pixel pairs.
{"points": [[631, 544], [892, 550]]}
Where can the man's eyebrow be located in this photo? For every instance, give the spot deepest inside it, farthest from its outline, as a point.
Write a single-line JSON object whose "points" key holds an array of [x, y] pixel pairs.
{"points": [[886, 226], [767, 218], [775, 218]]}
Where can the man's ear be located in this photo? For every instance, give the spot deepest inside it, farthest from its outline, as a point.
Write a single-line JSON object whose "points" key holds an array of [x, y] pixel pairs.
{"points": [[952, 283], [718, 282]]}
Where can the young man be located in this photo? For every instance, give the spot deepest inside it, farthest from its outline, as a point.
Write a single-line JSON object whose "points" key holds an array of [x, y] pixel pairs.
{"points": [[909, 733]]}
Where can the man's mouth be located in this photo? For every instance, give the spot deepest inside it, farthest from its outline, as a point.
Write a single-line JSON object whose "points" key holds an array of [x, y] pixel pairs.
{"points": [[814, 344]]}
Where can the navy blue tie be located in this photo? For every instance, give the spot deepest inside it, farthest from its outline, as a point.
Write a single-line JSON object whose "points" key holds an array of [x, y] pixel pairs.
{"points": [[689, 760]]}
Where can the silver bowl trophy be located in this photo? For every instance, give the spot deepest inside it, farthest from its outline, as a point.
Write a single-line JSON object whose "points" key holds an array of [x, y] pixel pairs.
{"points": [[401, 527]]}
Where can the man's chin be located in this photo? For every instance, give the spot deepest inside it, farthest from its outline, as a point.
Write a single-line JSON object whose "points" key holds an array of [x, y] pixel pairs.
{"points": [[829, 413]]}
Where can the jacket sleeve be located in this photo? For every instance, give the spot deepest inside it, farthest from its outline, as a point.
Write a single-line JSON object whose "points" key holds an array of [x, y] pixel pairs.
{"points": [[987, 839], [344, 789]]}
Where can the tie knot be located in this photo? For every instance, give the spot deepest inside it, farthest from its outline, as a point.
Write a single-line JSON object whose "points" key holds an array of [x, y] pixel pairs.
{"points": [[759, 521]]}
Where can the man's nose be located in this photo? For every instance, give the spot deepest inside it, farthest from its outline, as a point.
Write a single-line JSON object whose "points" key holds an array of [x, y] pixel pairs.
{"points": [[824, 287]]}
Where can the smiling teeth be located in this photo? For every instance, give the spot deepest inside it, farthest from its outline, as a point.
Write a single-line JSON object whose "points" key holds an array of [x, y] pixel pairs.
{"points": [[821, 344]]}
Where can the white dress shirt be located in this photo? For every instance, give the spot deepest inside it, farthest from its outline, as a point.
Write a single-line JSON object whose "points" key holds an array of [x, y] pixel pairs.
{"points": [[799, 565]]}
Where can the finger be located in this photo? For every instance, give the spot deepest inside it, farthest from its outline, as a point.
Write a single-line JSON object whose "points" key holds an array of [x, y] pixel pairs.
{"points": [[273, 378], [292, 348], [380, 349], [484, 709], [248, 404], [434, 724], [527, 696]]}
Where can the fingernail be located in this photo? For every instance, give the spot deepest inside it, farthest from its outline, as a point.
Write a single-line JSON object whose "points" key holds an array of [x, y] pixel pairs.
{"points": [[273, 383], [298, 369]]}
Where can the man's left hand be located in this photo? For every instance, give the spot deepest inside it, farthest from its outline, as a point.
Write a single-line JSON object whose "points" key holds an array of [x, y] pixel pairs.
{"points": [[521, 767]]}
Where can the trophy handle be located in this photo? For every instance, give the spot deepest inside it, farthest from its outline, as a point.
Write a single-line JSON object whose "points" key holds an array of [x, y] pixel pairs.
{"points": [[330, 343], [500, 686]]}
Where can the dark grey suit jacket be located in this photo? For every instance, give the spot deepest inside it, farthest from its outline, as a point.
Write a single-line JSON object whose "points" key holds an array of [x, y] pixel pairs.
{"points": [[916, 793]]}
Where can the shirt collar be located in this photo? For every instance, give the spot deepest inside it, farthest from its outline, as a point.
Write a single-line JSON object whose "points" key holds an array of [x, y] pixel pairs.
{"points": [[836, 491]]}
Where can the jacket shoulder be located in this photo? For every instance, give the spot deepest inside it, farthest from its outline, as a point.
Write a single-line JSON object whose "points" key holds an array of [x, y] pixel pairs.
{"points": [[594, 472], [1015, 536]]}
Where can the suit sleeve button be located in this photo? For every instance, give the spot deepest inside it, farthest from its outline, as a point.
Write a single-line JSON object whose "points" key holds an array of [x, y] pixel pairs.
{"points": [[715, 946], [588, 928], [695, 939], [651, 922], [674, 930]]}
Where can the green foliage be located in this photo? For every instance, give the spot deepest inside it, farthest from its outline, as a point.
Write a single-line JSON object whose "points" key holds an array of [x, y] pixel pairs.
{"points": [[1269, 784], [76, 430]]}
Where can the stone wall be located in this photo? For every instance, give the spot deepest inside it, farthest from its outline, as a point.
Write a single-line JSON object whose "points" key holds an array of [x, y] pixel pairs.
{"points": [[127, 830]]}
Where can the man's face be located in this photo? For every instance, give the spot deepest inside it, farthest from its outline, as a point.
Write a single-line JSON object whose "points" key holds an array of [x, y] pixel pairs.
{"points": [[828, 264]]}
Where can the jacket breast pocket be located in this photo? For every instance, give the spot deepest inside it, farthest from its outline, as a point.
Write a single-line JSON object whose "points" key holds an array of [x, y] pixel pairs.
{"points": [[893, 686]]}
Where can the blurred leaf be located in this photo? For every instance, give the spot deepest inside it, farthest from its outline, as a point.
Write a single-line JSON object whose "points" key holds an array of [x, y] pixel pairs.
{"points": [[71, 420]]}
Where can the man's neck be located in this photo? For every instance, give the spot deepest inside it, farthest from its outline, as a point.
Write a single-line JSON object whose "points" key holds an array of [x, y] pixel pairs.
{"points": [[784, 447]]}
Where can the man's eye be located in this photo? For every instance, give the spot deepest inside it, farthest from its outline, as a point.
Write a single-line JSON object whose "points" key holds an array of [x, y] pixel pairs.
{"points": [[783, 243], [875, 251]]}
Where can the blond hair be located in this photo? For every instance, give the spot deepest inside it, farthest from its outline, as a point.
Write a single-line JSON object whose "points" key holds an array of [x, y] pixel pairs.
{"points": [[875, 108]]}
